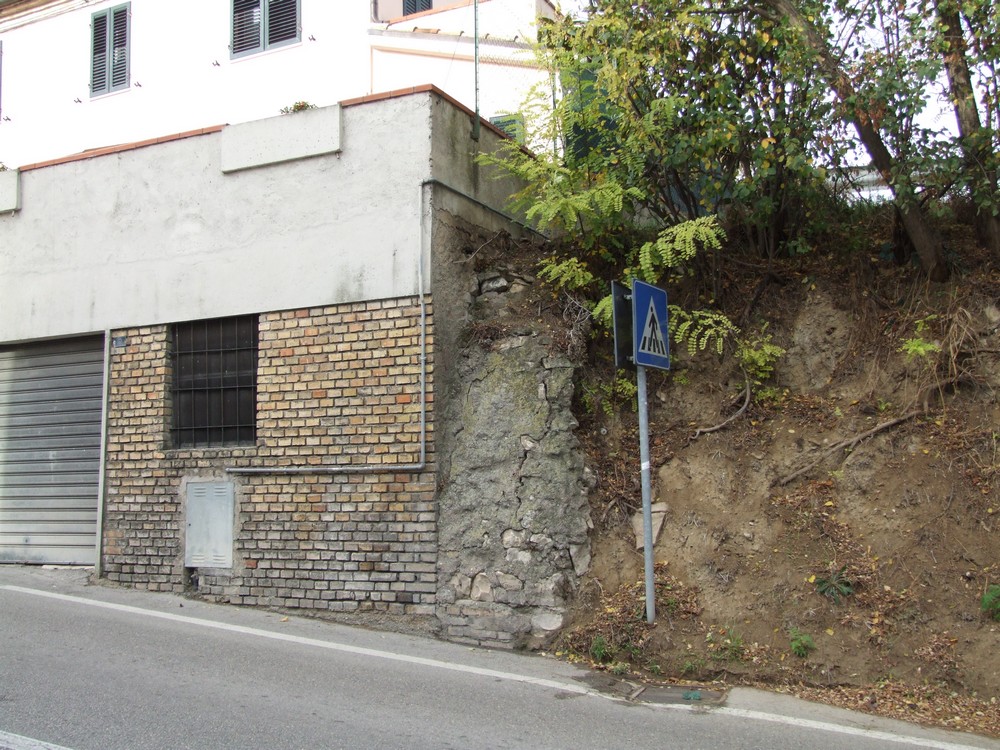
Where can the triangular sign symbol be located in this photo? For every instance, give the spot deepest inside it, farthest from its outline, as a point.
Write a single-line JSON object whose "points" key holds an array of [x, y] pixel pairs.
{"points": [[652, 341]]}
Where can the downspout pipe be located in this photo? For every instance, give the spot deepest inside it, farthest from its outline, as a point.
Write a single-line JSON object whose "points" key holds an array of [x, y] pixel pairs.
{"points": [[101, 486]]}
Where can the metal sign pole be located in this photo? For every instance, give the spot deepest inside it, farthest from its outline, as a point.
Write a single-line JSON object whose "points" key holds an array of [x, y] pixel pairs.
{"points": [[641, 341], [647, 492]]}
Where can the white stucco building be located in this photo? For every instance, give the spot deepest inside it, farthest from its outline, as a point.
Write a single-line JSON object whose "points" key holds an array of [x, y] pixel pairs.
{"points": [[85, 74]]}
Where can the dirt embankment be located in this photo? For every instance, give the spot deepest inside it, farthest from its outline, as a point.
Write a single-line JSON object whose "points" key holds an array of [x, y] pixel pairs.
{"points": [[838, 536]]}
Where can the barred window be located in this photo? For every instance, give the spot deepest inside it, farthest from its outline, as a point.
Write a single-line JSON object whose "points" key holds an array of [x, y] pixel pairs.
{"points": [[215, 382]]}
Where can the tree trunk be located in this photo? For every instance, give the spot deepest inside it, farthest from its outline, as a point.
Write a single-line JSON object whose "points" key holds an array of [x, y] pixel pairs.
{"points": [[925, 242], [970, 126]]}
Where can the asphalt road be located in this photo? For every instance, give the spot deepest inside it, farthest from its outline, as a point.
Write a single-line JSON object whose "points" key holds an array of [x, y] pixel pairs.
{"points": [[100, 668]]}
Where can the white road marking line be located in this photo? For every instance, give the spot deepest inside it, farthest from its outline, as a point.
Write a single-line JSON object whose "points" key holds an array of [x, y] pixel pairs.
{"points": [[360, 650], [17, 742], [872, 734]]}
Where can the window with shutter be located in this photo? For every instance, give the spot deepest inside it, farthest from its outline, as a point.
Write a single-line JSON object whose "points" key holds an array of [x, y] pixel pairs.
{"points": [[416, 6], [261, 24], [109, 50], [511, 124]]}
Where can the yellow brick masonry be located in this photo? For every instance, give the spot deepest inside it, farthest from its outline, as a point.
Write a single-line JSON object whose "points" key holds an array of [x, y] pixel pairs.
{"points": [[337, 385]]}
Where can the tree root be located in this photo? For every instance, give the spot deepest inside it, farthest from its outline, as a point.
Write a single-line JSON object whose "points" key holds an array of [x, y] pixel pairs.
{"points": [[746, 402], [849, 443]]}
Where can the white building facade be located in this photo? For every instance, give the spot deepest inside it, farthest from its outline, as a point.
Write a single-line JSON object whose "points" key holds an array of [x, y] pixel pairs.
{"points": [[84, 74]]}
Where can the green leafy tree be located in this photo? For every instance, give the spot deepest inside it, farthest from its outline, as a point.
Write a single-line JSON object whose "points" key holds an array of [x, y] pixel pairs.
{"points": [[676, 125], [865, 110], [902, 57], [967, 37]]}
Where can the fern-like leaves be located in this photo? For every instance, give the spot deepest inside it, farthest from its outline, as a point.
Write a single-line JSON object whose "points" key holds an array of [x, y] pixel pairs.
{"points": [[696, 329], [678, 244]]}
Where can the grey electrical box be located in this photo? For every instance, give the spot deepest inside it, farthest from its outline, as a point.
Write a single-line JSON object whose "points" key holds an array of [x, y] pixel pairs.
{"points": [[209, 535]]}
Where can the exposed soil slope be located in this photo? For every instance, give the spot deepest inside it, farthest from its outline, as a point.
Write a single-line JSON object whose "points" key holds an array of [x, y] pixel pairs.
{"points": [[850, 515], [848, 512]]}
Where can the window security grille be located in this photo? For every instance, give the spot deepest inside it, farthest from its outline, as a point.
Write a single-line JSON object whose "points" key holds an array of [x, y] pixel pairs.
{"points": [[261, 24], [215, 382], [109, 50]]}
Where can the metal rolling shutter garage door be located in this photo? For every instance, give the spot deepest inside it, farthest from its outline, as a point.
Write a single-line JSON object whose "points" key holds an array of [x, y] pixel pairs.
{"points": [[50, 443]]}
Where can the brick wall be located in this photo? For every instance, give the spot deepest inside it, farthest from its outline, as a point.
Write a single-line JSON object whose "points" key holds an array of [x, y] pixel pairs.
{"points": [[339, 394]]}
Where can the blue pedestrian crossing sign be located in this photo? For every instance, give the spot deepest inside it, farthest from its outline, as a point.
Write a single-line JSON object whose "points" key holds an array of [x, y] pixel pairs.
{"points": [[651, 343]]}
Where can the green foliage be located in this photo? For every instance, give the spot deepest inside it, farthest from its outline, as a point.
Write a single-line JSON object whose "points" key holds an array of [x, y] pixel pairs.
{"points": [[602, 312], [664, 115], [620, 668], [678, 244], [801, 643], [297, 107], [990, 603], [569, 273], [569, 209], [757, 356], [672, 248], [692, 667], [726, 645], [608, 397], [697, 329], [599, 649], [835, 586], [917, 347]]}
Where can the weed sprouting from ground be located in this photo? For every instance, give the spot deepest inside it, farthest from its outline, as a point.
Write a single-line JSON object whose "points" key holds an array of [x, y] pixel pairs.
{"points": [[990, 603], [835, 586], [801, 643]]}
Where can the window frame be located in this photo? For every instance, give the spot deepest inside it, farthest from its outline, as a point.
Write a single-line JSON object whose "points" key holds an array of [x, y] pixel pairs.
{"points": [[428, 3], [116, 20], [213, 382], [511, 124], [238, 47]]}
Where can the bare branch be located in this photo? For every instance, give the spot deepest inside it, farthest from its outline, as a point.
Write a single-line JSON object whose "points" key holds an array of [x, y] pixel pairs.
{"points": [[848, 443]]}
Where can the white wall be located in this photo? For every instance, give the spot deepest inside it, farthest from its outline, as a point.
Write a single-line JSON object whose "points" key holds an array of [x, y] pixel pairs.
{"points": [[160, 234], [176, 85]]}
